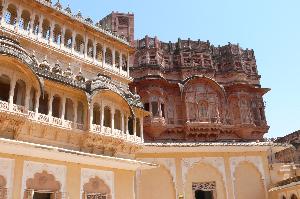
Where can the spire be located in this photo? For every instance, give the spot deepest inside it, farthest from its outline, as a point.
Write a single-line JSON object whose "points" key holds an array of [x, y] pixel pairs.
{"points": [[58, 5]]}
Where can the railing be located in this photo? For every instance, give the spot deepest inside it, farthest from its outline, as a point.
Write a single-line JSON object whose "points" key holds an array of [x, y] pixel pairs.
{"points": [[96, 196], [3, 193], [39, 117]]}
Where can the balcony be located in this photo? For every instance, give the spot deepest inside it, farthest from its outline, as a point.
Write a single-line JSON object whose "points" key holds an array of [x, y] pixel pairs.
{"points": [[55, 122]]}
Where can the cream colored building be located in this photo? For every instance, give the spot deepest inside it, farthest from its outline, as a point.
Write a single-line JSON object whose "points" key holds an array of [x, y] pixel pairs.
{"points": [[71, 127]]}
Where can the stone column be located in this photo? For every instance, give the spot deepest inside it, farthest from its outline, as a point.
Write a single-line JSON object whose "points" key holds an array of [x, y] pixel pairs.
{"points": [[5, 6], [101, 115], [51, 39], [120, 62], [112, 112], [40, 34], [50, 104], [63, 108], [134, 126], [37, 102], [126, 124], [91, 106], [159, 109], [103, 55], [128, 64], [73, 41], [62, 40], [94, 50], [85, 46], [27, 97], [12, 93], [19, 13], [75, 105], [32, 18], [122, 123], [141, 128], [113, 58]]}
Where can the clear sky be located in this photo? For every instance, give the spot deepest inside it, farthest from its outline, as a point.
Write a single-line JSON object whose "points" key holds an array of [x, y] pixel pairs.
{"points": [[270, 27]]}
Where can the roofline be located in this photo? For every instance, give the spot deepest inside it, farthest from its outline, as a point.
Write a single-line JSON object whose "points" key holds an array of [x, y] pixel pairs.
{"points": [[21, 148], [213, 147]]}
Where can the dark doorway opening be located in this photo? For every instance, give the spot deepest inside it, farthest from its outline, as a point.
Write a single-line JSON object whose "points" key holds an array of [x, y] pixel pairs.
{"points": [[204, 194], [42, 195]]}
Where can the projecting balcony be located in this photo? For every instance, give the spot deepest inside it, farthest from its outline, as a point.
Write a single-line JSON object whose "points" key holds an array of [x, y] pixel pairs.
{"points": [[26, 115]]}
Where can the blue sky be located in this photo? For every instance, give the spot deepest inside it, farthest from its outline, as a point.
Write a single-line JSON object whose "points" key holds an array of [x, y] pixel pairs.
{"points": [[270, 27]]}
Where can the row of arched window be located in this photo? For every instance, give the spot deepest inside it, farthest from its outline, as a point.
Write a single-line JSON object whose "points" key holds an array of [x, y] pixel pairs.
{"points": [[40, 26]]}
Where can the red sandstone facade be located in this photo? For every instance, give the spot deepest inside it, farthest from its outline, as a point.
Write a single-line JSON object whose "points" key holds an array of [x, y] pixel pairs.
{"points": [[198, 92]]}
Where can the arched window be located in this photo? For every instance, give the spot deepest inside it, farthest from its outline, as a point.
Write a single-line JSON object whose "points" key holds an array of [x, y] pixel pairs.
{"points": [[46, 29], [117, 59], [32, 99], [124, 63], [68, 39], [43, 104], [138, 127], [19, 93], [154, 110], [90, 48], [36, 22], [69, 112], [80, 113], [108, 56], [4, 88], [107, 117], [118, 120], [57, 34], [79, 44], [294, 196], [24, 22], [96, 114], [283, 197], [11, 15], [56, 106], [99, 51]]}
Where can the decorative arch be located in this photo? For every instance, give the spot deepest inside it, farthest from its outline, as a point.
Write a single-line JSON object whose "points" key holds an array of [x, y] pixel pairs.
{"points": [[43, 181], [12, 49], [97, 186], [214, 162]]}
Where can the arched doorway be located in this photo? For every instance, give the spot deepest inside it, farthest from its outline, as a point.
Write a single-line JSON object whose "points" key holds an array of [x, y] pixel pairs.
{"points": [[107, 117], [19, 93], [96, 188]]}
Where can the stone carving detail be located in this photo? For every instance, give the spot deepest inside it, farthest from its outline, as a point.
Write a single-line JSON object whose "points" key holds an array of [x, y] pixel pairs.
{"points": [[7, 172], [206, 186], [255, 160], [106, 176], [216, 162], [30, 169]]}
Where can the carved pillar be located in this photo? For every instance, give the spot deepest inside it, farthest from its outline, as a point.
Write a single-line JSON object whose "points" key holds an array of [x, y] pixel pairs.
{"points": [[50, 104], [114, 58], [128, 64], [91, 106], [3, 13], [62, 39], [103, 55], [51, 39], [63, 108], [19, 12], [40, 34], [94, 50], [122, 123], [187, 112], [112, 119], [120, 63], [86, 46], [75, 105], [126, 124], [102, 115], [11, 93], [134, 126], [73, 41], [141, 127], [37, 102], [159, 109], [32, 18], [27, 97]]}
